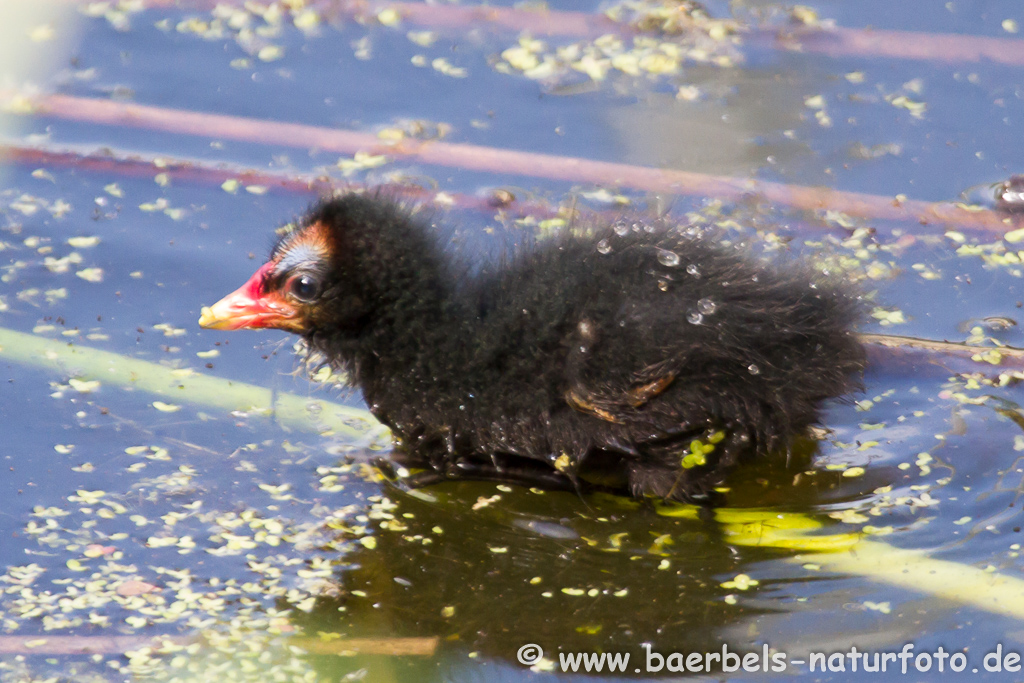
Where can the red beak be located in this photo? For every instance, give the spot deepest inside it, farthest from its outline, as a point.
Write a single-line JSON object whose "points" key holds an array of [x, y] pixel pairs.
{"points": [[249, 307]]}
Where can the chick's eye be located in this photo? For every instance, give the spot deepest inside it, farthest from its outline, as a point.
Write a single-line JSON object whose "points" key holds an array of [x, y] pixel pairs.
{"points": [[303, 287]]}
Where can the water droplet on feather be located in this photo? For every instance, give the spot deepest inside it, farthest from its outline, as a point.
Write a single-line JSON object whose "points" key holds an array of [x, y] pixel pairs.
{"points": [[668, 258]]}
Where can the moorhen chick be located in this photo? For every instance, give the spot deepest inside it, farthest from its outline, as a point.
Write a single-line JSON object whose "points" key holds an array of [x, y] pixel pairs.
{"points": [[638, 356]]}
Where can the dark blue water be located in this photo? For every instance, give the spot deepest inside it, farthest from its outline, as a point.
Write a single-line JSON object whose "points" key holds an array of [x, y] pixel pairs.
{"points": [[228, 527]]}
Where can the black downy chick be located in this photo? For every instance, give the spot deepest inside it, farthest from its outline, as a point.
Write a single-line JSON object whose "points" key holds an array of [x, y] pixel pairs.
{"points": [[637, 357]]}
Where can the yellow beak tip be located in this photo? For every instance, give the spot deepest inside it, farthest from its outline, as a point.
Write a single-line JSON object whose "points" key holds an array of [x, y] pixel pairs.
{"points": [[206, 317]]}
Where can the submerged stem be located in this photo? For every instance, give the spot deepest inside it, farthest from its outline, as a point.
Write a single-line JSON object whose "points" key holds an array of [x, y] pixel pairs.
{"points": [[290, 410]]}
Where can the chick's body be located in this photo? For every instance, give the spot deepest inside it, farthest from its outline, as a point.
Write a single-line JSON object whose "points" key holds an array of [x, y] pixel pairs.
{"points": [[635, 356]]}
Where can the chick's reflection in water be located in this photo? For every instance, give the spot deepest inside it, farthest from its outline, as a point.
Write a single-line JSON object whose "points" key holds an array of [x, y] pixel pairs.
{"points": [[488, 578], [486, 569]]}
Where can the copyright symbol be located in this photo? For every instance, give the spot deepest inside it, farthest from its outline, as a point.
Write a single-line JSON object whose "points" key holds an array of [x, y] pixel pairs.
{"points": [[530, 654]]}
